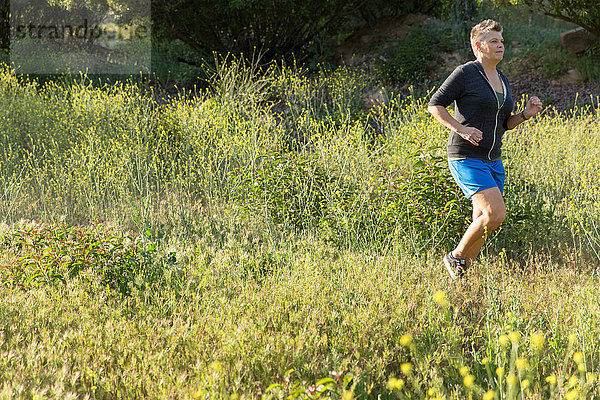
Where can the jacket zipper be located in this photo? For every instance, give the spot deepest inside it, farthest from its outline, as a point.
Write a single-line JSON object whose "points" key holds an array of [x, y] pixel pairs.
{"points": [[497, 112]]}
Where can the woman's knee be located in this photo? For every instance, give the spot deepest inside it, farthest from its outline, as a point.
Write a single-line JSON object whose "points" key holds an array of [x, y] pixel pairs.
{"points": [[494, 218], [491, 205], [499, 217]]}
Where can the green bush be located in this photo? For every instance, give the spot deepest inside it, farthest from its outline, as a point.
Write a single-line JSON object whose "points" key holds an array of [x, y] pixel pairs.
{"points": [[276, 28], [408, 62], [530, 220], [421, 207], [42, 254], [289, 188], [290, 29]]}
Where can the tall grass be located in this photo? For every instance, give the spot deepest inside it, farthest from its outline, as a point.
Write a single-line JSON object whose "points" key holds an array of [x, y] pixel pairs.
{"points": [[288, 244]]}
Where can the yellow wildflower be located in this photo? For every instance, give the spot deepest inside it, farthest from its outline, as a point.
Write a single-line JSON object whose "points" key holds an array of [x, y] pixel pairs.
{"points": [[572, 395], [525, 384], [578, 357], [590, 377], [511, 379], [522, 364], [514, 337], [489, 395], [395, 383], [441, 299], [463, 370], [537, 340], [551, 379], [406, 339], [406, 368], [572, 339], [573, 381], [500, 371], [469, 381], [503, 339]]}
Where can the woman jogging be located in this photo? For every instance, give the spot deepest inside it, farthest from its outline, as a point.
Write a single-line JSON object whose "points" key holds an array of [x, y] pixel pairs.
{"points": [[483, 111]]}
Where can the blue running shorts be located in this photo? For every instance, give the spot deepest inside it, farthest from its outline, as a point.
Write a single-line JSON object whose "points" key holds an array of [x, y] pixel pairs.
{"points": [[474, 175]]}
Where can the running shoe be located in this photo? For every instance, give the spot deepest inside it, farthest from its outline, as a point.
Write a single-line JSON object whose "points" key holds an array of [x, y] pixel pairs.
{"points": [[457, 267]]}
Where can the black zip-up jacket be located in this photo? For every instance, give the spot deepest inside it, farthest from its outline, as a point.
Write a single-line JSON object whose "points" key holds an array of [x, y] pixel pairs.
{"points": [[476, 106]]}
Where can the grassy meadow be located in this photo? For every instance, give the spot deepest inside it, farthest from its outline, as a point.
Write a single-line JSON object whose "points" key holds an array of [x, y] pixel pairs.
{"points": [[276, 238]]}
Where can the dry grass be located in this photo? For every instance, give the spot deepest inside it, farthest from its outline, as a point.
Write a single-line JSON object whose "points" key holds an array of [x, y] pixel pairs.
{"points": [[241, 300]]}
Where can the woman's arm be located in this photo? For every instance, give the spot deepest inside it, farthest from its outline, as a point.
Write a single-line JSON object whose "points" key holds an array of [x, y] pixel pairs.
{"points": [[440, 113], [533, 106]]}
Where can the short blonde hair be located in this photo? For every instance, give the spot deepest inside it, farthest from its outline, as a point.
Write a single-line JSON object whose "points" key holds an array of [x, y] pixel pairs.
{"points": [[479, 31]]}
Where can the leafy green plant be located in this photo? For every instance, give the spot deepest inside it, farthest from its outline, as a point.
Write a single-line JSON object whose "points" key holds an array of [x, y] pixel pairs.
{"points": [[338, 385], [530, 219], [581, 12], [419, 208], [409, 61], [286, 188], [283, 29], [43, 254], [280, 28]]}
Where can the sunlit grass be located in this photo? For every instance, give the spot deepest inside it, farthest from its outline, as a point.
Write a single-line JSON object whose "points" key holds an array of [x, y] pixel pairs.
{"points": [[254, 294]]}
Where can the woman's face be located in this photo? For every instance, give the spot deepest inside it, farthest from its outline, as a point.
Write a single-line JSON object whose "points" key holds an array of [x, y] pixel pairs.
{"points": [[491, 46]]}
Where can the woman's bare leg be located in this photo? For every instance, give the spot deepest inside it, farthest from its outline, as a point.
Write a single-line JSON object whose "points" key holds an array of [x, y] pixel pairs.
{"points": [[488, 211]]}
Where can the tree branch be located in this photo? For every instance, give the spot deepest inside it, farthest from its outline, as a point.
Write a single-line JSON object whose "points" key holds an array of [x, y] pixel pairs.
{"points": [[589, 28]]}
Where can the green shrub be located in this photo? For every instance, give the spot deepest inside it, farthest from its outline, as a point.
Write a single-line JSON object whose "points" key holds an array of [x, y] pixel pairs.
{"points": [[42, 254], [289, 189], [278, 28], [166, 64], [530, 220], [290, 29], [421, 207], [408, 61]]}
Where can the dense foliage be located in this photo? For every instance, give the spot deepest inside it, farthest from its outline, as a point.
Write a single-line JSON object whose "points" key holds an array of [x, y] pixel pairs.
{"points": [[274, 28], [51, 254], [409, 60], [278, 29], [418, 208]]}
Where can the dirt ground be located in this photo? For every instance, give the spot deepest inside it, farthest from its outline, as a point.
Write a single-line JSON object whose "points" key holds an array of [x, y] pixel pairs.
{"points": [[560, 94]]}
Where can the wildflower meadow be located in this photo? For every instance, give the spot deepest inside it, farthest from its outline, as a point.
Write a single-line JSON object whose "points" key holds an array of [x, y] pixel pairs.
{"points": [[275, 237]]}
